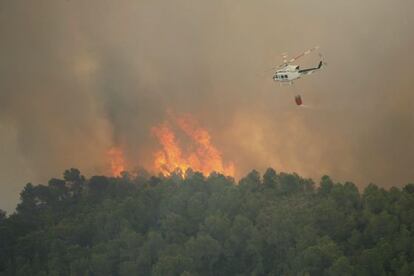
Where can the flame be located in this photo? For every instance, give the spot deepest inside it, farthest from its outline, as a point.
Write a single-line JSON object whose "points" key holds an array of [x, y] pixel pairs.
{"points": [[117, 161], [205, 157]]}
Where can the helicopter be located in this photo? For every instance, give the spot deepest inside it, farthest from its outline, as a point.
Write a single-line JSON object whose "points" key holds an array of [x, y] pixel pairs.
{"points": [[287, 72]]}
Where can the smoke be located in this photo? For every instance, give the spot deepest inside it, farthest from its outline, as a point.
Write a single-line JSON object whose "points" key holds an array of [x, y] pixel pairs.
{"points": [[78, 77]]}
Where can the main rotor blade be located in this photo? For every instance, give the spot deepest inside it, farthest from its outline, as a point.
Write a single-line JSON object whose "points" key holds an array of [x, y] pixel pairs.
{"points": [[285, 61], [307, 52], [285, 57]]}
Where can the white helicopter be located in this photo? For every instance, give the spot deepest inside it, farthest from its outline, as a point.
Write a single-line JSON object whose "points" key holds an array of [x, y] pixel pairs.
{"points": [[289, 72]]}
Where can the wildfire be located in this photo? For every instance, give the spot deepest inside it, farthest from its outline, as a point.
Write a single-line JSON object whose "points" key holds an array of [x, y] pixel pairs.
{"points": [[117, 161], [204, 158]]}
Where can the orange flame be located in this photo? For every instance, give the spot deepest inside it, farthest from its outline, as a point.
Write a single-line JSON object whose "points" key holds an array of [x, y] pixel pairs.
{"points": [[205, 158], [117, 161]]}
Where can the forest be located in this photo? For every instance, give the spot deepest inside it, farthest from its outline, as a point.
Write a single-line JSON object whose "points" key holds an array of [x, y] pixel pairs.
{"points": [[190, 224]]}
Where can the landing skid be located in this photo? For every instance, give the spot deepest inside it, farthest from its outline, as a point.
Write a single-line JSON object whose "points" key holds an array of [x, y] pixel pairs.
{"points": [[290, 83]]}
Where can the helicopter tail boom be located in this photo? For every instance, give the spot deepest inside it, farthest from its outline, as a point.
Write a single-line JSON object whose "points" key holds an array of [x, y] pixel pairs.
{"points": [[311, 70]]}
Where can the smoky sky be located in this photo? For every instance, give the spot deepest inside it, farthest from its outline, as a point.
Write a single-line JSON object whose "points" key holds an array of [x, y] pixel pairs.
{"points": [[77, 77]]}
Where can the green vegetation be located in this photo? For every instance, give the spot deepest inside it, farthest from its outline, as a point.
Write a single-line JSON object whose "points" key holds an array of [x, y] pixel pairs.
{"points": [[278, 224]]}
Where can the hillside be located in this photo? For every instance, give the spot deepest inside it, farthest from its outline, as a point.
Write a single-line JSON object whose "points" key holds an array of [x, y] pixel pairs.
{"points": [[275, 224]]}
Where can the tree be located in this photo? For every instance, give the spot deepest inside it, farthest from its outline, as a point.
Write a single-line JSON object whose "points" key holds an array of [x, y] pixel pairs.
{"points": [[172, 265], [204, 252], [318, 259], [409, 188], [2, 216], [270, 179], [217, 226], [98, 185], [325, 186], [341, 267], [73, 175], [374, 198], [192, 225], [251, 182], [290, 183], [75, 181]]}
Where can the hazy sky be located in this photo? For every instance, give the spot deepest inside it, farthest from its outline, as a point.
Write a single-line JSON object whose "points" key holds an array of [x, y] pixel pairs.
{"points": [[77, 77]]}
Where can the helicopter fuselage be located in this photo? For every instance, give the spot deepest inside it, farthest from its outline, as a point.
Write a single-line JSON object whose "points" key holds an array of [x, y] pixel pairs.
{"points": [[287, 74]]}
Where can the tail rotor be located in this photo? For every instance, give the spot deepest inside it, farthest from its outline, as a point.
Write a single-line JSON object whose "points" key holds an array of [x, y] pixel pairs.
{"points": [[323, 60]]}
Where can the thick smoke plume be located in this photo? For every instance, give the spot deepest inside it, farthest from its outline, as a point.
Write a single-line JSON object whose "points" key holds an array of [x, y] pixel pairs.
{"points": [[80, 77]]}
